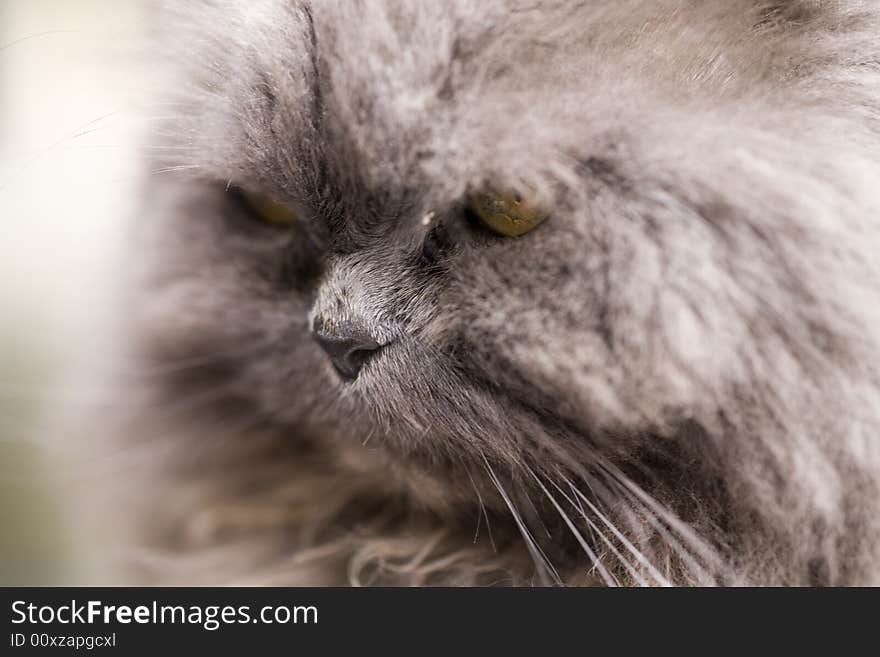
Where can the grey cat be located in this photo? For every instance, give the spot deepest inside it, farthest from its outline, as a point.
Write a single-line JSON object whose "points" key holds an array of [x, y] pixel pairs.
{"points": [[336, 369]]}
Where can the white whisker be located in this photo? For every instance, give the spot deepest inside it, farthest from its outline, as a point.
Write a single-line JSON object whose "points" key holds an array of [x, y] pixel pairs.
{"points": [[606, 576], [540, 559], [483, 512], [675, 523], [642, 559]]}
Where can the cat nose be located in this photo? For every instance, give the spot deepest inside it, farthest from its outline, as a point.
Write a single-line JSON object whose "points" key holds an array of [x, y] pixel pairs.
{"points": [[348, 346]]}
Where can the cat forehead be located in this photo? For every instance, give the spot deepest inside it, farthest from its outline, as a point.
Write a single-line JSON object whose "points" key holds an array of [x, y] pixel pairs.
{"points": [[426, 92], [437, 95], [415, 90]]}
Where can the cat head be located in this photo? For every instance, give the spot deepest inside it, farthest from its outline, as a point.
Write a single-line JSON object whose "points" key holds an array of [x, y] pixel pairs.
{"points": [[485, 235]]}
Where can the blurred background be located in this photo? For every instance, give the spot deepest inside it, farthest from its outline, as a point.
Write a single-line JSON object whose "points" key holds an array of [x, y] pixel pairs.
{"points": [[68, 166]]}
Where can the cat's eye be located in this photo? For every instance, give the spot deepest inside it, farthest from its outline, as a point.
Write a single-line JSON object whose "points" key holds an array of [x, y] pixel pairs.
{"points": [[506, 214], [270, 211]]}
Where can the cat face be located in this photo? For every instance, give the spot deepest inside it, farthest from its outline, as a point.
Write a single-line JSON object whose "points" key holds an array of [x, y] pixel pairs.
{"points": [[480, 334], [673, 282]]}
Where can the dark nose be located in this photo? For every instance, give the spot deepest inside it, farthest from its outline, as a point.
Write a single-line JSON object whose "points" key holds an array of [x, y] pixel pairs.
{"points": [[349, 348]]}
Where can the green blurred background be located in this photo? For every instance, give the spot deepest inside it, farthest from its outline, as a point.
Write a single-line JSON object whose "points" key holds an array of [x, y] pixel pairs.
{"points": [[67, 168]]}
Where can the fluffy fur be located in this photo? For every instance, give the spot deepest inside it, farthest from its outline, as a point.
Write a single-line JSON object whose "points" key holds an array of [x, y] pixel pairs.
{"points": [[674, 379]]}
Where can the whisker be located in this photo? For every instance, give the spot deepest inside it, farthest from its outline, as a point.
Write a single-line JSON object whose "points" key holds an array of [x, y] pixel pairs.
{"points": [[542, 563], [575, 502], [482, 513], [74, 134], [36, 35], [675, 523], [535, 512], [175, 168], [638, 554], [597, 564], [652, 512]]}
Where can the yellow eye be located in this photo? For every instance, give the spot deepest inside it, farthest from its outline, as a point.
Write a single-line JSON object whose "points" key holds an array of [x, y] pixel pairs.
{"points": [[506, 214], [271, 212]]}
